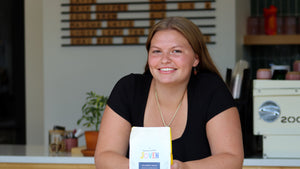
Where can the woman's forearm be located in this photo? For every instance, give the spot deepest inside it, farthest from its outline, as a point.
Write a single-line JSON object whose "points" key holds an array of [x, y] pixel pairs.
{"points": [[221, 161], [111, 160]]}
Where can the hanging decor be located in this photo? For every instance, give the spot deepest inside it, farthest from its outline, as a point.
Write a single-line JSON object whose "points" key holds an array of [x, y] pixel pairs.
{"points": [[127, 22]]}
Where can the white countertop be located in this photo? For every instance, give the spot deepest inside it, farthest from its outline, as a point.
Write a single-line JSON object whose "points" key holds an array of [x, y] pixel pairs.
{"points": [[272, 162], [40, 154]]}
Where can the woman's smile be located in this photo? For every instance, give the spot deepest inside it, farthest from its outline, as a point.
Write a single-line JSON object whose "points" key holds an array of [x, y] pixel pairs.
{"points": [[167, 70]]}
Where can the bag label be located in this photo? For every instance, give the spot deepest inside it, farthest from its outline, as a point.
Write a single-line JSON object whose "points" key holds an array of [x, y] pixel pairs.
{"points": [[150, 148], [154, 165]]}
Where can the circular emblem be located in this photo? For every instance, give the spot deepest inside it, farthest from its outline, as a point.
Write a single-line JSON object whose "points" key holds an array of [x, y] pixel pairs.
{"points": [[269, 111]]}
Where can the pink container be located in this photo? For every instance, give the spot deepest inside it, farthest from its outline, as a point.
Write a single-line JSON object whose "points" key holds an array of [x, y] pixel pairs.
{"points": [[264, 73], [296, 66], [292, 76], [279, 25], [289, 25], [252, 25], [70, 143]]}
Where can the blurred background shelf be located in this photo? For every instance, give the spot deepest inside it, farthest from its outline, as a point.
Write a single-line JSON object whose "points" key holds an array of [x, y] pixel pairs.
{"points": [[272, 39]]}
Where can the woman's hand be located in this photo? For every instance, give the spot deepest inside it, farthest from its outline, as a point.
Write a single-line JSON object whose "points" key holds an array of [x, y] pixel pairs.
{"points": [[177, 165]]}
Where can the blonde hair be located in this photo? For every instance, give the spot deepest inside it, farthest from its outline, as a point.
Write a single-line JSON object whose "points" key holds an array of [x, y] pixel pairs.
{"points": [[193, 35]]}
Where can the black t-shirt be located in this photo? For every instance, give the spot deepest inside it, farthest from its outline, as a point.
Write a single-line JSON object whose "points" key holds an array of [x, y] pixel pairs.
{"points": [[207, 96]]}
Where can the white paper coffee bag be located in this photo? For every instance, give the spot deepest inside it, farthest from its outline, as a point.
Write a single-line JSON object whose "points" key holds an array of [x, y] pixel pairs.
{"points": [[150, 148]]}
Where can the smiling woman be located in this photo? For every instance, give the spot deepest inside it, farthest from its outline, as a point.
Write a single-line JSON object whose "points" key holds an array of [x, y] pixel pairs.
{"points": [[181, 89]]}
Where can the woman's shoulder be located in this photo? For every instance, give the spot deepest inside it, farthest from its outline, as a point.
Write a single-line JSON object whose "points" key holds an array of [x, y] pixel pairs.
{"points": [[209, 78], [128, 85], [133, 80], [134, 77]]}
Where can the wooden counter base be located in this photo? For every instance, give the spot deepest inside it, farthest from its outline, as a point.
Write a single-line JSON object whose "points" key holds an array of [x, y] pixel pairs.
{"points": [[45, 166], [89, 166], [264, 167]]}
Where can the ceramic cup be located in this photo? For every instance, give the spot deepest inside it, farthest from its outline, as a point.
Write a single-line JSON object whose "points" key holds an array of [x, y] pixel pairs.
{"points": [[70, 143], [289, 23], [292, 76], [296, 66], [252, 25], [279, 25], [263, 73]]}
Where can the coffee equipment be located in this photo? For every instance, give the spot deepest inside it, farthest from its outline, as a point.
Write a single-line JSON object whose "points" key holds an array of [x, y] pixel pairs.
{"points": [[276, 117]]}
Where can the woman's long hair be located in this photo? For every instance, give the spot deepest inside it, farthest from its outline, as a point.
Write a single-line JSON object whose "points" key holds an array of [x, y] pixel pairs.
{"points": [[193, 35]]}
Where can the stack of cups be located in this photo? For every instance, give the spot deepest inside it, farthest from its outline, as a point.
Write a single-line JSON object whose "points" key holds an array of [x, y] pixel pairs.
{"points": [[264, 73], [289, 25], [296, 66], [295, 74], [255, 25]]}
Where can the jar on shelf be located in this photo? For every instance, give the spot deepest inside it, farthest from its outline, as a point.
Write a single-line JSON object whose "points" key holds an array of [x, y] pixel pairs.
{"points": [[56, 141]]}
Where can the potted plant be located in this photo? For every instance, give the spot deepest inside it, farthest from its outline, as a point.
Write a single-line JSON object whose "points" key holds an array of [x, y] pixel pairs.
{"points": [[91, 116]]}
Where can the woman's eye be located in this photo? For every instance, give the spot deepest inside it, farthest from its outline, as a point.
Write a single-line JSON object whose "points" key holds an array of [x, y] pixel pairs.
{"points": [[156, 51], [176, 51]]}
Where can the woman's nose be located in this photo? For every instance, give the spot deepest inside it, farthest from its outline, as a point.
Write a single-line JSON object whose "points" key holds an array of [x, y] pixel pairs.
{"points": [[166, 58]]}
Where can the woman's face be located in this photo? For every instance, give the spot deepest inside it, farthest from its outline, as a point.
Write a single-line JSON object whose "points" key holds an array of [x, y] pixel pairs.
{"points": [[171, 57]]}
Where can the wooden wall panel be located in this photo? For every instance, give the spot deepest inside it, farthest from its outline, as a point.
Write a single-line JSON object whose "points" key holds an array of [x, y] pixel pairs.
{"points": [[101, 22]]}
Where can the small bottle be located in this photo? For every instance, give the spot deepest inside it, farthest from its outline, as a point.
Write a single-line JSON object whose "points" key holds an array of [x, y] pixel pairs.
{"points": [[270, 20]]}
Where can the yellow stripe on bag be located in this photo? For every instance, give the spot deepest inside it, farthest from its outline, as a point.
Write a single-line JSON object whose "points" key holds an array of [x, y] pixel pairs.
{"points": [[171, 146]]}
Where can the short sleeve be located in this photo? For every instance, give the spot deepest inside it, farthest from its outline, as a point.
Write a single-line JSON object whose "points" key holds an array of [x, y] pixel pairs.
{"points": [[221, 99], [120, 98]]}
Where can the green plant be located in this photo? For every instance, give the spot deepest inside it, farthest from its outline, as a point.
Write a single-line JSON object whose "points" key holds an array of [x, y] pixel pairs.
{"points": [[92, 110]]}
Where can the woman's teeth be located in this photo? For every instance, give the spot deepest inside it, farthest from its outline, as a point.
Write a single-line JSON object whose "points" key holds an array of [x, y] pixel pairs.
{"points": [[166, 69]]}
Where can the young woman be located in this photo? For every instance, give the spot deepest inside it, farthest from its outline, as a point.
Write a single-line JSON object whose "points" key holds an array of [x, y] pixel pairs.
{"points": [[180, 88]]}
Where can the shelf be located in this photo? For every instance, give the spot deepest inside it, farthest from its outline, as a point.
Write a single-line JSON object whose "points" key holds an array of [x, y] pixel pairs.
{"points": [[136, 2], [138, 11], [272, 39]]}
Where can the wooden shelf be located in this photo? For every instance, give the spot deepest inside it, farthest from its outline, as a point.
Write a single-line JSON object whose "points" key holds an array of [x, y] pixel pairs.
{"points": [[272, 39]]}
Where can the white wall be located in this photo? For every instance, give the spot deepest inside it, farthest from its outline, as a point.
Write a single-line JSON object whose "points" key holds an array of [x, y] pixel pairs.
{"points": [[57, 78], [34, 72], [223, 52], [242, 13]]}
